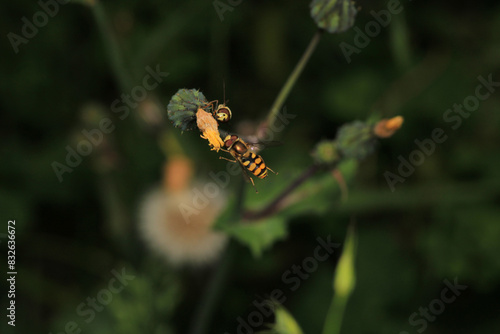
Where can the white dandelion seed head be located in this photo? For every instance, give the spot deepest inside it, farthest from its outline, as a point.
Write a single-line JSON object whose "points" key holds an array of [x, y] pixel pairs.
{"points": [[166, 230]]}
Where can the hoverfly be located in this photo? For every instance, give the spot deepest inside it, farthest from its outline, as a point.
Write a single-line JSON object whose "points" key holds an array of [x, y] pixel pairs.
{"points": [[248, 160], [221, 112]]}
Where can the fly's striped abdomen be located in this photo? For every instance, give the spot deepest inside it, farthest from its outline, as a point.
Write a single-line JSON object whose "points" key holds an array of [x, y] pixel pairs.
{"points": [[255, 164]]}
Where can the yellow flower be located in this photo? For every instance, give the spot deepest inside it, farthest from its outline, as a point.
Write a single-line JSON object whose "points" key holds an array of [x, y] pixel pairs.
{"points": [[209, 129], [387, 127]]}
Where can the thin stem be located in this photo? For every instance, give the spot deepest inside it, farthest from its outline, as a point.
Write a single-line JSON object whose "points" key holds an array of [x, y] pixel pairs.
{"points": [[292, 79], [117, 60], [344, 282], [335, 315], [112, 47], [206, 307], [275, 204]]}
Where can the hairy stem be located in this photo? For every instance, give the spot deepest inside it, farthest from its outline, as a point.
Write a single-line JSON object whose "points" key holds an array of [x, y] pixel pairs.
{"points": [[292, 79]]}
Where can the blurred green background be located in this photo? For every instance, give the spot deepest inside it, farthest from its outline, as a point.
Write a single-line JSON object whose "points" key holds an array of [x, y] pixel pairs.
{"points": [[442, 223]]}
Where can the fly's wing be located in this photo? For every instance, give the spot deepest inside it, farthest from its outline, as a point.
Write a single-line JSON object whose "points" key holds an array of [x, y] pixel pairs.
{"points": [[260, 145]]}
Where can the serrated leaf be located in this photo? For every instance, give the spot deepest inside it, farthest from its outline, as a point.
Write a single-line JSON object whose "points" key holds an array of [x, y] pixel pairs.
{"points": [[258, 235], [333, 15], [320, 193]]}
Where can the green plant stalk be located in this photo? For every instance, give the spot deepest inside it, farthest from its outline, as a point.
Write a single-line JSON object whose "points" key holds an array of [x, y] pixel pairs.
{"points": [[112, 47], [166, 31], [344, 282], [292, 79], [400, 42], [333, 322], [206, 307], [117, 61], [117, 220]]}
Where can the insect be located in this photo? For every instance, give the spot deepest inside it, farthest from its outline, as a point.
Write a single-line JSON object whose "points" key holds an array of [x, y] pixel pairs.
{"points": [[186, 110], [247, 159], [221, 112]]}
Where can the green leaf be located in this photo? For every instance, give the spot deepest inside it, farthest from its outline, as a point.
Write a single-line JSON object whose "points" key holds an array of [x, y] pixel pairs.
{"points": [[333, 15], [258, 235], [319, 194]]}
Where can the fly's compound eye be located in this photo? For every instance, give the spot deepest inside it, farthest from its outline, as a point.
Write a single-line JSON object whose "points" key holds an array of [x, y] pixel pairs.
{"points": [[223, 114], [228, 141]]}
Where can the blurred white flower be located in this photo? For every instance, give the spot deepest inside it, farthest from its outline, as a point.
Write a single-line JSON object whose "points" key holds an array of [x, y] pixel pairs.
{"points": [[164, 226]]}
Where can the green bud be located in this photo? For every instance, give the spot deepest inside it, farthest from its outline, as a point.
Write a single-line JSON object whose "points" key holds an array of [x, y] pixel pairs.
{"points": [[333, 15], [326, 152], [183, 106], [356, 140]]}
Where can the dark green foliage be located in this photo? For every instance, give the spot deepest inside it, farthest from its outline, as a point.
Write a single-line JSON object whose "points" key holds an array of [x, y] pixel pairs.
{"points": [[440, 223]]}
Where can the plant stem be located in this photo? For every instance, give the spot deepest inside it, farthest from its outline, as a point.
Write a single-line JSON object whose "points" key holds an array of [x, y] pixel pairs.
{"points": [[292, 79], [206, 307], [120, 71], [335, 315], [275, 204], [344, 282], [112, 47]]}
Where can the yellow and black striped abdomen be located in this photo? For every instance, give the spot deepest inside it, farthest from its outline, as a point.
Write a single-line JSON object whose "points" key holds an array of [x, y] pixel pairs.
{"points": [[255, 164]]}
